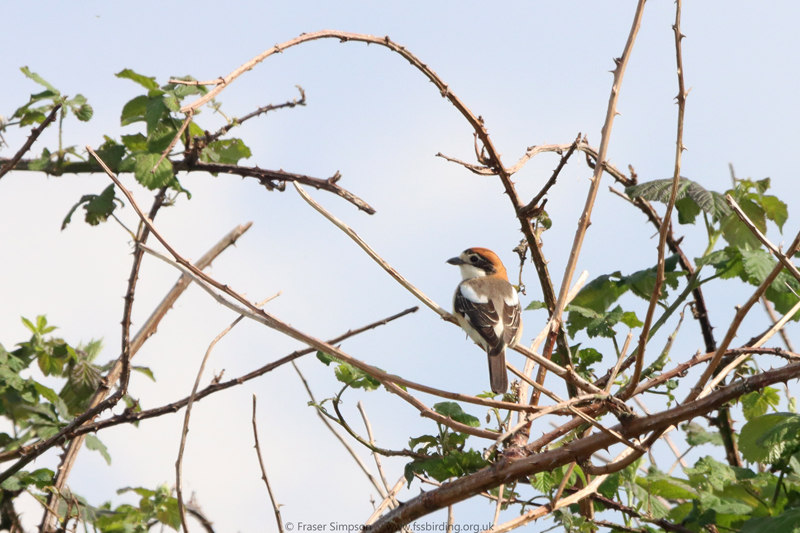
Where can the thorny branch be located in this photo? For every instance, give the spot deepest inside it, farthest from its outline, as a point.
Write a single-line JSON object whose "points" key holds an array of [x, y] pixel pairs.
{"points": [[11, 163]]}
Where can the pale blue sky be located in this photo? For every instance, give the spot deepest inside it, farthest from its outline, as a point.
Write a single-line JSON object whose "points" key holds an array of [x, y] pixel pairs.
{"points": [[537, 72]]}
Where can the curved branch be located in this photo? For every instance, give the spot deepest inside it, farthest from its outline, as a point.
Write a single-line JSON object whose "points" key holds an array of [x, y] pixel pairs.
{"points": [[506, 471]]}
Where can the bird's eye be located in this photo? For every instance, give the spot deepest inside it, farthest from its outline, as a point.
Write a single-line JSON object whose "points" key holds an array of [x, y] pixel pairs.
{"points": [[473, 259]]}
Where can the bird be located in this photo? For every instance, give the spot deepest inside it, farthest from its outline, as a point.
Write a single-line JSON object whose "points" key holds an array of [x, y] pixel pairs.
{"points": [[487, 307]]}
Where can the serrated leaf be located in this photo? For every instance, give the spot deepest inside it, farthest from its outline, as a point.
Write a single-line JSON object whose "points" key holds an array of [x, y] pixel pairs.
{"points": [[155, 109], [456, 464], [100, 207], [630, 319], [543, 482], [454, 411], [711, 202], [696, 435], [143, 171], [428, 440], [355, 377], [160, 137], [144, 81], [134, 110], [536, 304], [32, 117], [38, 79], [757, 265], [763, 439], [93, 443], [226, 152], [687, 210], [136, 142], [786, 522], [775, 210], [757, 403], [111, 153], [84, 112]]}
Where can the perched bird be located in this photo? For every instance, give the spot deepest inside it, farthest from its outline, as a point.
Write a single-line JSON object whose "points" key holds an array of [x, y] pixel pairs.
{"points": [[487, 308]]}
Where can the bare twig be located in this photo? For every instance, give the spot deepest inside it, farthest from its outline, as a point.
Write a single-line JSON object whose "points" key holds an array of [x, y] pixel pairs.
{"points": [[260, 111], [267, 176], [374, 255], [372, 442], [741, 312], [666, 437], [772, 316], [546, 509], [188, 414], [615, 370], [505, 471], [275, 505], [347, 446], [585, 220], [387, 501], [778, 326], [529, 210], [144, 333], [664, 230], [10, 164], [475, 169]]}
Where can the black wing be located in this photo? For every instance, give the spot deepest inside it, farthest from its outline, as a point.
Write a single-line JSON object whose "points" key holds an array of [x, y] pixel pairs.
{"points": [[481, 316]]}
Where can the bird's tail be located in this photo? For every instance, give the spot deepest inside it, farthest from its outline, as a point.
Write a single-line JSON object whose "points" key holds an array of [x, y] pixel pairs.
{"points": [[498, 376]]}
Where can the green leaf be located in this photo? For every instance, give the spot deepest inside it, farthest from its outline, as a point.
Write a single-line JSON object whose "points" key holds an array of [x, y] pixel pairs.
{"points": [[454, 411], [111, 153], [99, 208], [584, 359], [84, 112], [765, 438], [136, 142], [144, 370], [355, 377], [38, 79], [143, 171], [786, 522], [757, 403], [775, 210], [456, 464], [154, 110], [32, 117], [325, 358], [429, 441], [544, 482], [93, 443], [667, 487], [711, 202], [717, 475], [696, 435], [134, 110], [687, 210], [225, 152], [144, 81], [160, 137], [757, 265], [536, 304], [630, 319]]}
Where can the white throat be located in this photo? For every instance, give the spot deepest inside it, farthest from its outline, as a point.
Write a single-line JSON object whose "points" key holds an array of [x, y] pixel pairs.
{"points": [[470, 271]]}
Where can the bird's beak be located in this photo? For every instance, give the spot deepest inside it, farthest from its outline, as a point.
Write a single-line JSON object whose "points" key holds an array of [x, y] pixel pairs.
{"points": [[455, 261]]}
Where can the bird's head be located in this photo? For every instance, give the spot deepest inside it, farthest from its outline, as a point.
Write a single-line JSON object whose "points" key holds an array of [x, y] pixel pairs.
{"points": [[477, 262]]}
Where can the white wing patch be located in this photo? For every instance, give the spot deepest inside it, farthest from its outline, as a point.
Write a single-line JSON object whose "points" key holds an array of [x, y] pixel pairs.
{"points": [[512, 299], [470, 294]]}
